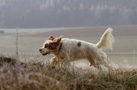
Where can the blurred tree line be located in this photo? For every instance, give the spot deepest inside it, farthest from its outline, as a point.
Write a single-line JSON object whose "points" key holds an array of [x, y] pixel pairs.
{"points": [[66, 13]]}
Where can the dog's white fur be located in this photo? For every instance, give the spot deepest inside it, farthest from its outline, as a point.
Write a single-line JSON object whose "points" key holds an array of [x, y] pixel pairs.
{"points": [[73, 49]]}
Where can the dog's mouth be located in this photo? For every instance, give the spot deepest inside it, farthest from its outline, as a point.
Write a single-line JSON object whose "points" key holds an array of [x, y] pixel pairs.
{"points": [[45, 53]]}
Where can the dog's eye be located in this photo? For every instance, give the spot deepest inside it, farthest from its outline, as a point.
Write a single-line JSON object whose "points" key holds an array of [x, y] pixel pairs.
{"points": [[46, 45]]}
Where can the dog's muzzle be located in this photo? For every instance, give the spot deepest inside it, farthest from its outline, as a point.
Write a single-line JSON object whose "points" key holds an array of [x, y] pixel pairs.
{"points": [[40, 50], [45, 53]]}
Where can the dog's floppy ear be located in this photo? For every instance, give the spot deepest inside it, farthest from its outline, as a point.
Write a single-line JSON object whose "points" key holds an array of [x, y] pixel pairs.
{"points": [[50, 38], [58, 39]]}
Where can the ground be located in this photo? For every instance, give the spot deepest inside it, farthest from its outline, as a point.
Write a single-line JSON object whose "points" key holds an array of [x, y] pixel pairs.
{"points": [[17, 75]]}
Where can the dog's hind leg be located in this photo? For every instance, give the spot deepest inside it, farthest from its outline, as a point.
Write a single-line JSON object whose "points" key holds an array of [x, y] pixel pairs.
{"points": [[109, 67], [91, 61]]}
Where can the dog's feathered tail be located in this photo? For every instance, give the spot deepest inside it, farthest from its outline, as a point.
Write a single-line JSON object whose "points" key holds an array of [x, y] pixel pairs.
{"points": [[106, 40]]}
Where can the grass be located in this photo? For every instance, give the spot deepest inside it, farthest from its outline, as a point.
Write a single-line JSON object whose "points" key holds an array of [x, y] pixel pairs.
{"points": [[38, 76]]}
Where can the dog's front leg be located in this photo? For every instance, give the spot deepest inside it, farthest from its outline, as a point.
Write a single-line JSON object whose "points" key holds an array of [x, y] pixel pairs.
{"points": [[64, 63], [54, 62]]}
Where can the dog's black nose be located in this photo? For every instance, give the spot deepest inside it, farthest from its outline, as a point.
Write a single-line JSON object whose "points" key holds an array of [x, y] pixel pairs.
{"points": [[40, 50]]}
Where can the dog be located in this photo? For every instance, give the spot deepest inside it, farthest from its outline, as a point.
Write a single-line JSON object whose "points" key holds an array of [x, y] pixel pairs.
{"points": [[66, 50]]}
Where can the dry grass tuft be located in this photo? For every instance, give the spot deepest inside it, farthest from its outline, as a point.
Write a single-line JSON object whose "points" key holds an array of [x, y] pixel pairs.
{"points": [[15, 75]]}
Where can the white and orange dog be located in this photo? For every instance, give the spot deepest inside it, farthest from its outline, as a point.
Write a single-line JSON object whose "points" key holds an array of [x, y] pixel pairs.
{"points": [[66, 50]]}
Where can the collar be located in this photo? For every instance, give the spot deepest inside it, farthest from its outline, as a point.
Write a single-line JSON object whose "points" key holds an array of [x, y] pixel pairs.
{"points": [[60, 46]]}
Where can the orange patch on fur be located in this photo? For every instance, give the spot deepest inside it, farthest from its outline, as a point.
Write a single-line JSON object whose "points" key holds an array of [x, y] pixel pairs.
{"points": [[79, 44]]}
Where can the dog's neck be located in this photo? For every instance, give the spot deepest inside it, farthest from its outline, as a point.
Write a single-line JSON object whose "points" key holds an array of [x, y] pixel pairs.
{"points": [[57, 53], [60, 47]]}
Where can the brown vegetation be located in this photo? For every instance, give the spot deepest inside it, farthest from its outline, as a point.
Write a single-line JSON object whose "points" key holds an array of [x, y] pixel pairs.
{"points": [[28, 76]]}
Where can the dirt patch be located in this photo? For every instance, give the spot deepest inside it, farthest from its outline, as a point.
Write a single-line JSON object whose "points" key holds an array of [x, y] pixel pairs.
{"points": [[89, 32]]}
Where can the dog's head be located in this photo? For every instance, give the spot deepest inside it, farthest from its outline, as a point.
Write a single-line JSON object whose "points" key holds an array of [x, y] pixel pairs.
{"points": [[51, 45]]}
